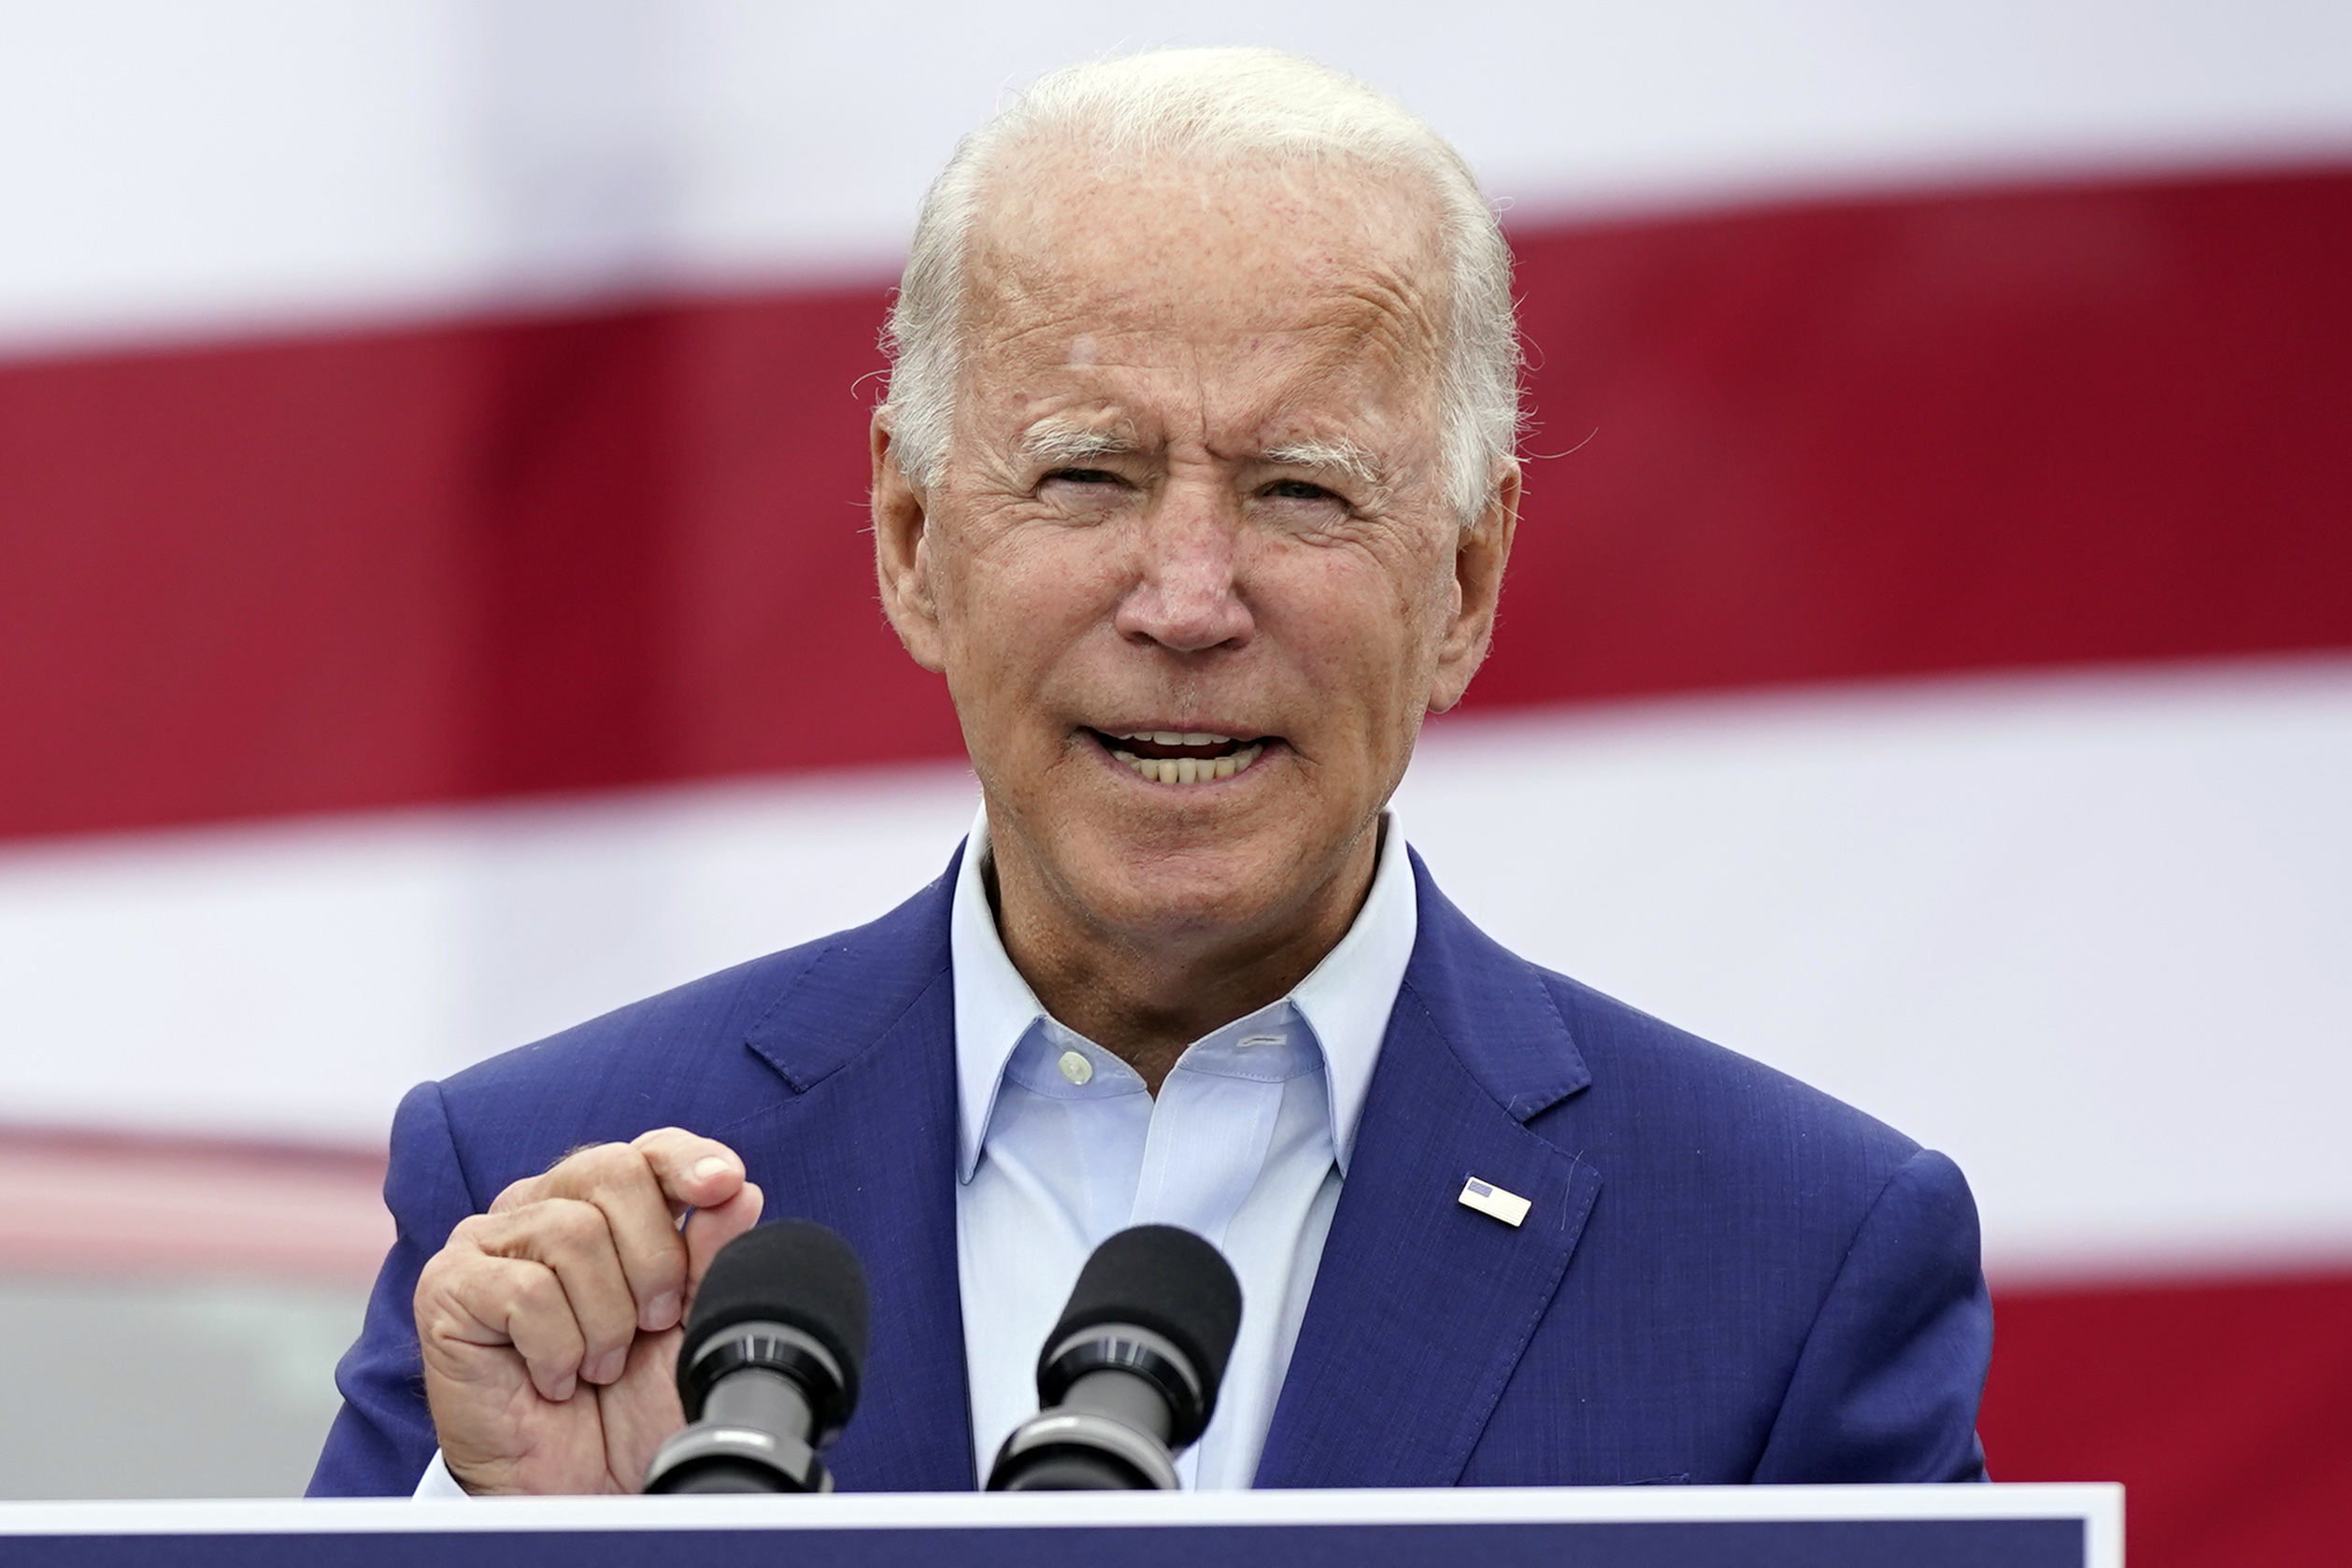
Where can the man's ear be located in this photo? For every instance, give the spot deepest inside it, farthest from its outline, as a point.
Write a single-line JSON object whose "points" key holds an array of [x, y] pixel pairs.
{"points": [[1481, 554], [902, 552]]}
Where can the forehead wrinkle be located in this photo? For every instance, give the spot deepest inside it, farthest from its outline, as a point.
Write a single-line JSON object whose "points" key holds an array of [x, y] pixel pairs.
{"points": [[1382, 316], [1367, 328], [1374, 263]]}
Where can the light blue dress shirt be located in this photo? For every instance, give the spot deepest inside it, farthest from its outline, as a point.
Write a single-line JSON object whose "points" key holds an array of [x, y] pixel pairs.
{"points": [[1061, 1146]]}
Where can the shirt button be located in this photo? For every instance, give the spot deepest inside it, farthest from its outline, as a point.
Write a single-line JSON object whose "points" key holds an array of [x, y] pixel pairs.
{"points": [[1077, 1068]]}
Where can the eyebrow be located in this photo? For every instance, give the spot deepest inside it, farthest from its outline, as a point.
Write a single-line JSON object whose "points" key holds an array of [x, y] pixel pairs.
{"points": [[1339, 456], [1055, 440], [1059, 440]]}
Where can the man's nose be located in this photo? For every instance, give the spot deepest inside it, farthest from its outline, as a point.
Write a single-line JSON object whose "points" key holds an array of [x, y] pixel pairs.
{"points": [[1187, 595]]}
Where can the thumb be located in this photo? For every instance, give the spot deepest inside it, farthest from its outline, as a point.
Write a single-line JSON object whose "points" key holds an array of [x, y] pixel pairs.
{"points": [[708, 1229]]}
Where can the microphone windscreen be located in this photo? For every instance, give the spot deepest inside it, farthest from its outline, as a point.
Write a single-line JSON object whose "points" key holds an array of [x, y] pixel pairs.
{"points": [[794, 1272], [1167, 1280]]}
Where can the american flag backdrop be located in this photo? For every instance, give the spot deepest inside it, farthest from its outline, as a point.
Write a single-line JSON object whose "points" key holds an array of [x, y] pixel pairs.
{"points": [[434, 608]]}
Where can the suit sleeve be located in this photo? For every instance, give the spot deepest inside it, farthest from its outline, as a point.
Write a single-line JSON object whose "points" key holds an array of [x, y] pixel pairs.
{"points": [[382, 1439], [1888, 1384]]}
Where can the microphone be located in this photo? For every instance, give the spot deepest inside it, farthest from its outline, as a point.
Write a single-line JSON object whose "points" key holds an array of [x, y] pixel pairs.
{"points": [[768, 1368], [1128, 1379]]}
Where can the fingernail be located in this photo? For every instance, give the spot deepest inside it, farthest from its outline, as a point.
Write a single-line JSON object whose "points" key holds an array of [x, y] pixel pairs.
{"points": [[710, 1165], [564, 1389], [607, 1366], [662, 1311]]}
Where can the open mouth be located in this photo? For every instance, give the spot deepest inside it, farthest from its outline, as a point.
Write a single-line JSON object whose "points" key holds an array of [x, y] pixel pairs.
{"points": [[1182, 757]]}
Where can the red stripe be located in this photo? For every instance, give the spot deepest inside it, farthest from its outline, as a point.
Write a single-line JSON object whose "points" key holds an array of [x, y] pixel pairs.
{"points": [[2219, 1406], [1839, 442], [1932, 436], [94, 1205]]}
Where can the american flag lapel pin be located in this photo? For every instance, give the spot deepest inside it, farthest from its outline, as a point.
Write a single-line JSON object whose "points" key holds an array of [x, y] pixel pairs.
{"points": [[1489, 1199]]}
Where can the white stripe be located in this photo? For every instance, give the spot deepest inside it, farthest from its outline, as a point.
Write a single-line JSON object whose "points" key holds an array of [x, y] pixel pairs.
{"points": [[293, 982], [177, 167], [2085, 933]]}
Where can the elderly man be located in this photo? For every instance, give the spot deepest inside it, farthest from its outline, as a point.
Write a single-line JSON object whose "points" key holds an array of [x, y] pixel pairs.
{"points": [[1195, 481]]}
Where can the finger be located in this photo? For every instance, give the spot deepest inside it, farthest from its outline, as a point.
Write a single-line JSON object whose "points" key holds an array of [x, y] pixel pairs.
{"points": [[557, 1181], [517, 1301], [572, 1237], [707, 1229], [620, 1180], [694, 1172]]}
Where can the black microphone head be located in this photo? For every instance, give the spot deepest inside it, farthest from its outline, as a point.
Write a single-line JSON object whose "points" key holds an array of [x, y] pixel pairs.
{"points": [[794, 1272], [1164, 1279]]}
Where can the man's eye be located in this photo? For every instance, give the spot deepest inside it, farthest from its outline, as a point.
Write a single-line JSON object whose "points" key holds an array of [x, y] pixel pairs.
{"points": [[1084, 477], [1297, 490]]}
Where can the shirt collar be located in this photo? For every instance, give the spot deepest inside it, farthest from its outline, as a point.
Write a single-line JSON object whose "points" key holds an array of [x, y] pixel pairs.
{"points": [[1346, 1001], [994, 1006], [1349, 996]]}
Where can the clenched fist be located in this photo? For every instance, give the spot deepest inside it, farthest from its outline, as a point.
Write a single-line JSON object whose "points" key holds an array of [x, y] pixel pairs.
{"points": [[550, 1325]]}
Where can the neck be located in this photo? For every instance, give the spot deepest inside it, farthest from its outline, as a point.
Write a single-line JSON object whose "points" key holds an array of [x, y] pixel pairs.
{"points": [[1146, 996]]}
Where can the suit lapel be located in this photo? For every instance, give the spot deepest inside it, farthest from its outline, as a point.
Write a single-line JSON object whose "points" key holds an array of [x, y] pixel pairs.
{"points": [[865, 1143], [1423, 1307]]}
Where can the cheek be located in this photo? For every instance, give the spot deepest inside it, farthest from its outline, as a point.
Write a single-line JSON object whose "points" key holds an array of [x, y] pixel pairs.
{"points": [[1019, 598], [1364, 631]]}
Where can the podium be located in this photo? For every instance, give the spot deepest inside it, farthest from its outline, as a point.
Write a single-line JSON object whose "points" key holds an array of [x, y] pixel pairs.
{"points": [[2038, 1526]]}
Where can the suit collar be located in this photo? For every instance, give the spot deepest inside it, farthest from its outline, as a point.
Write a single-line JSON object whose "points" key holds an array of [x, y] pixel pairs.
{"points": [[852, 992], [1497, 1016], [1423, 1307]]}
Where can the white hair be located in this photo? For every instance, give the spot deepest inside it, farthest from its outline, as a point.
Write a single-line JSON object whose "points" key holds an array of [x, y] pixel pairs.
{"points": [[1224, 105]]}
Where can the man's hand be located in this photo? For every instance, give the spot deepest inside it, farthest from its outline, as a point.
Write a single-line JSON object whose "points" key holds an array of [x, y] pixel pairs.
{"points": [[550, 1325]]}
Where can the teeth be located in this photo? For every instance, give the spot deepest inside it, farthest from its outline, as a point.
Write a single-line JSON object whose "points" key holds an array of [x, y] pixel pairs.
{"points": [[1188, 770], [1172, 737]]}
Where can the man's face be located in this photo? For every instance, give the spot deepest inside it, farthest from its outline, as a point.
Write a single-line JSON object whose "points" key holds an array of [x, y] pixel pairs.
{"points": [[1194, 494]]}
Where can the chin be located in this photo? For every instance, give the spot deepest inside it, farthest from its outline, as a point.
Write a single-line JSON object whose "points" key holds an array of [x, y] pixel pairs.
{"points": [[1200, 886]]}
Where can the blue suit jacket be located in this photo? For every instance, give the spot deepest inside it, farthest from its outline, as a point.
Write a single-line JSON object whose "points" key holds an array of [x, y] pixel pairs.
{"points": [[1724, 1275]]}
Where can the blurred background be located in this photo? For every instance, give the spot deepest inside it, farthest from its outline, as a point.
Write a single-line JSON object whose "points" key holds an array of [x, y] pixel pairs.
{"points": [[433, 609]]}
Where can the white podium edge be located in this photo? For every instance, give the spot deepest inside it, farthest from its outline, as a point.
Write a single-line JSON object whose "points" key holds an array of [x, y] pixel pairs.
{"points": [[2098, 1505]]}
